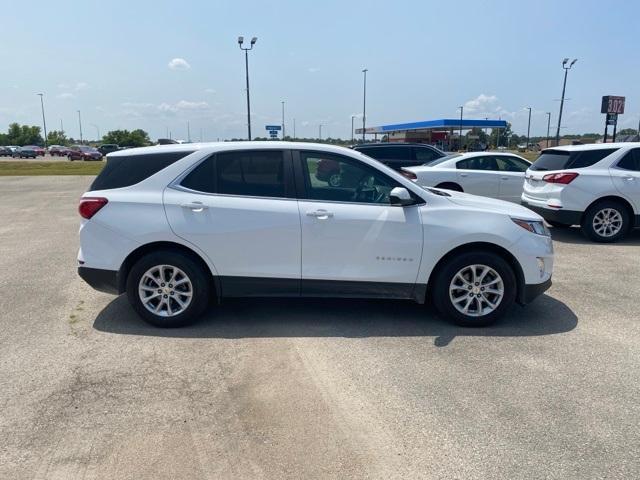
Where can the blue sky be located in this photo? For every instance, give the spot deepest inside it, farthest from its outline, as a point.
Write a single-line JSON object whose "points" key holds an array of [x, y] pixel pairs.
{"points": [[111, 60]]}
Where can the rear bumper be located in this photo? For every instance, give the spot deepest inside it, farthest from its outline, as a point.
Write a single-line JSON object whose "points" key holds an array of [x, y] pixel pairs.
{"points": [[531, 291], [568, 217], [102, 280]]}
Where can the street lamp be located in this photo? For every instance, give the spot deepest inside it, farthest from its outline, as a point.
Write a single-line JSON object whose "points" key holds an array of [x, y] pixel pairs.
{"points": [[548, 126], [461, 110], [283, 132], [564, 86], [44, 121], [320, 132], [352, 117], [246, 65], [364, 104], [80, 123], [528, 128]]}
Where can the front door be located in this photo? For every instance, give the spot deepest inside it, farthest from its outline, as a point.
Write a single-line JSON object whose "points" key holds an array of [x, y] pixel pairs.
{"points": [[626, 177], [354, 242]]}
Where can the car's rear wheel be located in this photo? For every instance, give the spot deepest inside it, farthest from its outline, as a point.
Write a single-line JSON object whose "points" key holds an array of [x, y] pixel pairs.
{"points": [[606, 221], [168, 289], [474, 289]]}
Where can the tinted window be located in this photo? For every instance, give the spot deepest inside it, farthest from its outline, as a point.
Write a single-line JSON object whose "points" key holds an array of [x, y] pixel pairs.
{"points": [[561, 160], [388, 153], [337, 178], [124, 171], [442, 160], [202, 178], [631, 161], [425, 154], [478, 163], [512, 164], [253, 173]]}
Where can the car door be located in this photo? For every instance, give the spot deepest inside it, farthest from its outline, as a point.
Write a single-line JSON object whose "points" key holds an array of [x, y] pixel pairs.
{"points": [[239, 207], [354, 242], [424, 155], [626, 177], [512, 170], [479, 175]]}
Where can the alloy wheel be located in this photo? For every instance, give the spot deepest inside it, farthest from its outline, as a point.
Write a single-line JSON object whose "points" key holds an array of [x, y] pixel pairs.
{"points": [[165, 290], [476, 290], [607, 222]]}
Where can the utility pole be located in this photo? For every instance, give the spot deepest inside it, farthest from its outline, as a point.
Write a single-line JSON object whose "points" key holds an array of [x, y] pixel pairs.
{"points": [[80, 123], [548, 126], [528, 129], [564, 87], [61, 127], [461, 110], [294, 129], [320, 132], [246, 65], [283, 132], [352, 117], [364, 104], [44, 121], [188, 132]]}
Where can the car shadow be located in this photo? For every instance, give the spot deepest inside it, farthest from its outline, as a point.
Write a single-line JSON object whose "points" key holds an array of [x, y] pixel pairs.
{"points": [[574, 235], [266, 318]]}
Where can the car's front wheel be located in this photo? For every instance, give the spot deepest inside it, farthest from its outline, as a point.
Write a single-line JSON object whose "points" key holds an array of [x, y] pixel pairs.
{"points": [[606, 221], [474, 289], [168, 289]]}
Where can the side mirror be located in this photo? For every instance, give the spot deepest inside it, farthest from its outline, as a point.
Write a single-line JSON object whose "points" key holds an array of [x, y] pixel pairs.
{"points": [[400, 196]]}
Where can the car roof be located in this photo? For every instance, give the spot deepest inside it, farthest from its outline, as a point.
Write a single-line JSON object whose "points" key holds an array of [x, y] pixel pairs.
{"points": [[393, 144], [212, 147], [593, 146]]}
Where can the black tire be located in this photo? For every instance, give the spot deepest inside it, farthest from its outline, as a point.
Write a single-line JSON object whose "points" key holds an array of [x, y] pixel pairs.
{"points": [[594, 210], [200, 281], [557, 224], [450, 186], [445, 276]]}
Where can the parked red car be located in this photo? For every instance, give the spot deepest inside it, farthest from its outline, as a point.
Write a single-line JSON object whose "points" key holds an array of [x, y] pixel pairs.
{"points": [[82, 152], [58, 151], [39, 150]]}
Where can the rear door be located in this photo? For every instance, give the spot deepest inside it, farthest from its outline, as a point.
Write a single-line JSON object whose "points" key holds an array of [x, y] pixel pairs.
{"points": [[512, 170], [239, 207], [626, 177], [479, 175], [354, 243]]}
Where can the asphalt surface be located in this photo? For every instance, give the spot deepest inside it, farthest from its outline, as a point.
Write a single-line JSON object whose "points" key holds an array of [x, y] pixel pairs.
{"points": [[299, 389]]}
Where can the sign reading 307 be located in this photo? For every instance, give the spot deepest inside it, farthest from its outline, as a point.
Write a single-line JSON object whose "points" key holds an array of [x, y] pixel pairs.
{"points": [[612, 104]]}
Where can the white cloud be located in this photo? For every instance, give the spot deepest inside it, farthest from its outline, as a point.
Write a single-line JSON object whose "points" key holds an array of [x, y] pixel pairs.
{"points": [[209, 90], [182, 105], [66, 95], [481, 104], [313, 69], [81, 86], [179, 64]]}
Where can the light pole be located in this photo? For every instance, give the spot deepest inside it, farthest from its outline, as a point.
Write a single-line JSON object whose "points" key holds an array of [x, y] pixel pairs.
{"points": [[320, 132], [564, 86], [528, 128], [188, 132], [548, 126], [97, 129], [80, 123], [294, 128], [364, 104], [44, 121], [246, 66], [283, 132], [352, 117], [461, 110], [61, 127]]}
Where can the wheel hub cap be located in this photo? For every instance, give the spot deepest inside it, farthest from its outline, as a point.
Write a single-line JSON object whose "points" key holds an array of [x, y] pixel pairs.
{"points": [[476, 290], [607, 222], [165, 290]]}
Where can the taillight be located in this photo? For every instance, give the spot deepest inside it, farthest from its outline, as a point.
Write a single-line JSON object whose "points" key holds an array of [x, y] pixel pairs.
{"points": [[564, 178], [89, 206], [409, 175]]}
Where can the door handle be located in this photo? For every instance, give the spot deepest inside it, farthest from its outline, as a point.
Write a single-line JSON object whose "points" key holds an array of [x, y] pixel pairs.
{"points": [[320, 214], [464, 174], [629, 179], [504, 178], [194, 206]]}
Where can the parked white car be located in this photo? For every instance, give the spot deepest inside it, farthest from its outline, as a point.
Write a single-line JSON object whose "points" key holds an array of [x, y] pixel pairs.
{"points": [[175, 225], [595, 186], [489, 174]]}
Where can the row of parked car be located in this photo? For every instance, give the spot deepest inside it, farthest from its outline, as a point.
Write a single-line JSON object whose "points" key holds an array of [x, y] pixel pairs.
{"points": [[74, 152], [595, 186]]}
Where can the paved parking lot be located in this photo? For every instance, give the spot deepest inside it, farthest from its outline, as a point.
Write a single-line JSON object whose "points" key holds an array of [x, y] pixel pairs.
{"points": [[308, 389]]}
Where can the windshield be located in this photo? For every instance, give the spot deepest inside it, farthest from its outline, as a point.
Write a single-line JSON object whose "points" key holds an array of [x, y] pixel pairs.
{"points": [[562, 159], [87, 149], [440, 160]]}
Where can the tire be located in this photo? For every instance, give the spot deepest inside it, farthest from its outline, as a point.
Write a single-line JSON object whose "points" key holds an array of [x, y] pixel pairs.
{"points": [[149, 265], [595, 226], [448, 287], [557, 224], [450, 186]]}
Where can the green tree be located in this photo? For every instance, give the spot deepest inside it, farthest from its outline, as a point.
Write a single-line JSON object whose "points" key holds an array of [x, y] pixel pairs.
{"points": [[498, 136], [57, 137], [125, 138], [24, 135], [627, 131]]}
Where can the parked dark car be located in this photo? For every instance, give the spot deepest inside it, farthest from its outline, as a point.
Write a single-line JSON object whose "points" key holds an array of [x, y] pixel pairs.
{"points": [[399, 155], [108, 148], [5, 152], [82, 152], [39, 150], [58, 151], [24, 152]]}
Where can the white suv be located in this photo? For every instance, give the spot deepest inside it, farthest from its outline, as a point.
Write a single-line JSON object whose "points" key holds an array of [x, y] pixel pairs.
{"points": [[177, 225], [595, 186]]}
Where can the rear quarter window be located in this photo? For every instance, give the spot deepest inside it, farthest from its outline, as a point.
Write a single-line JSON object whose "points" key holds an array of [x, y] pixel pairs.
{"points": [[562, 160], [124, 171]]}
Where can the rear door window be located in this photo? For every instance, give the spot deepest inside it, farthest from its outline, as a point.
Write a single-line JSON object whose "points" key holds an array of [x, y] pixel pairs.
{"points": [[512, 164], [425, 154], [251, 173], [484, 162], [388, 153], [126, 170], [562, 160], [631, 161]]}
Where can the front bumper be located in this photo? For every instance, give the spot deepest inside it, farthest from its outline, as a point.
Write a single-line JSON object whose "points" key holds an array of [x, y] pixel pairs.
{"points": [[531, 291], [568, 217], [102, 280]]}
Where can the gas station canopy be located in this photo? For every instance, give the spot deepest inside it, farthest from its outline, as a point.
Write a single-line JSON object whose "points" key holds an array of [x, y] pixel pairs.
{"points": [[443, 124]]}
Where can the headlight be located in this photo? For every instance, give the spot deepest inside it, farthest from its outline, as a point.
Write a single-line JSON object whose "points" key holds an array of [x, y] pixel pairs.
{"points": [[533, 226]]}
